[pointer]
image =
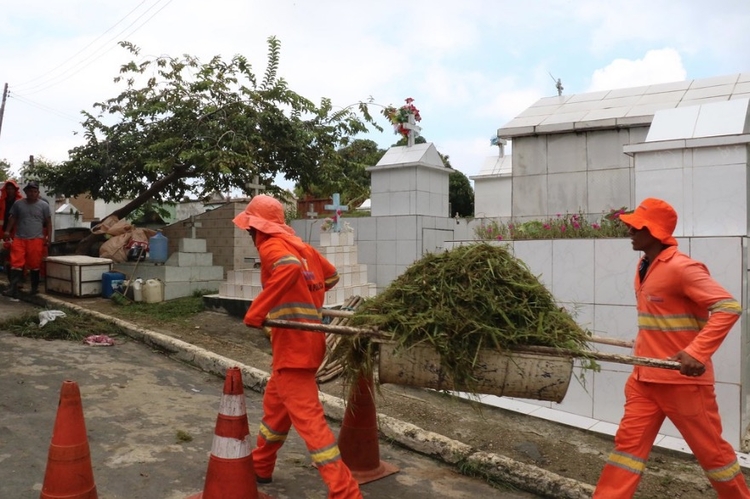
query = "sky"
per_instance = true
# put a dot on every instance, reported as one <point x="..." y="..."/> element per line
<point x="470" y="65"/>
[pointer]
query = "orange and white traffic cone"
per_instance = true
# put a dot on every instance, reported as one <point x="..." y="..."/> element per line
<point x="358" y="438"/>
<point x="69" y="474"/>
<point x="230" y="472"/>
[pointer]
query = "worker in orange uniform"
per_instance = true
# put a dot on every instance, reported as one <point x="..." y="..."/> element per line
<point x="295" y="278"/>
<point x="9" y="194"/>
<point x="683" y="315"/>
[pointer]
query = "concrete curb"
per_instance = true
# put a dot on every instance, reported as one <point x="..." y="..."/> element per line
<point x="521" y="475"/>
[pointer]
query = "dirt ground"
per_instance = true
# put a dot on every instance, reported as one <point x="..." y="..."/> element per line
<point x="567" y="451"/>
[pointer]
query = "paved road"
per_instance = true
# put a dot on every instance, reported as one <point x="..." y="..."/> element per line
<point x="135" y="401"/>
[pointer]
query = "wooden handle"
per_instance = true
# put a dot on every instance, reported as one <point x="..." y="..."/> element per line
<point x="379" y="335"/>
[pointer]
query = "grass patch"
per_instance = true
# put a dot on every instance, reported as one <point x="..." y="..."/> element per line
<point x="73" y="327"/>
<point x="183" y="436"/>
<point x="177" y="310"/>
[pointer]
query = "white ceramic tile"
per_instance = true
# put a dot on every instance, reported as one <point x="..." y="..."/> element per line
<point x="366" y="229"/>
<point x="558" y="118"/>
<point x="617" y="322"/>
<point x="422" y="203"/>
<point x="700" y="102"/>
<point x="406" y="228"/>
<point x="608" y="189"/>
<point x="723" y="258"/>
<point x="566" y="153"/>
<point x="609" y="395"/>
<point x="381" y="204"/>
<point x="669" y="87"/>
<point x="672" y="443"/>
<point x="588" y="96"/>
<point x="579" y="399"/>
<point x="572" y="270"/>
<point x="537" y="255"/>
<point x="614" y="268"/>
<point x="720" y="200"/>
<point x="402" y="203"/>
<point x="562" y="417"/>
<point x="723" y="118"/>
<point x="529" y="155"/>
<point x="386" y="229"/>
<point x="728" y="358"/>
<point x="386" y="253"/>
<point x="662" y="98"/>
<point x="406" y="252"/>
<point x="664" y="184"/>
<point x="660" y="160"/>
<point x="707" y="92"/>
<point x="670" y="124"/>
<point x="511" y="404"/>
<point x="730" y="405"/>
<point x="719" y="155"/>
<point x="726" y="81"/>
<point x="538" y="111"/>
<point x="604" y="428"/>
<point x="401" y="179"/>
<point x="530" y="196"/>
<point x="566" y="192"/>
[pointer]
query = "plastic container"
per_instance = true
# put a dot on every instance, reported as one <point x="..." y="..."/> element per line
<point x="153" y="291"/>
<point x="111" y="282"/>
<point x="138" y="290"/>
<point x="157" y="248"/>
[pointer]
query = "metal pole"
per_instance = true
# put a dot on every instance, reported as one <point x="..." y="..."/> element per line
<point x="2" y="106"/>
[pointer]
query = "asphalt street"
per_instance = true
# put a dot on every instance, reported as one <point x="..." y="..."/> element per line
<point x="150" y="423"/>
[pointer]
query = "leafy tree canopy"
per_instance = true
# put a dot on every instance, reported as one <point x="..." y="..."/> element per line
<point x="184" y="126"/>
<point x="4" y="170"/>
<point x="350" y="178"/>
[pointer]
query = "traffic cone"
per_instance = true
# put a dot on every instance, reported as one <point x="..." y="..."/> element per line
<point x="230" y="472"/>
<point x="358" y="438"/>
<point x="69" y="474"/>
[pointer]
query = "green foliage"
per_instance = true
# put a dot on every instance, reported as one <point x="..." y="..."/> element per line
<point x="348" y="175"/>
<point x="567" y="226"/>
<point x="461" y="301"/>
<point x="460" y="194"/>
<point x="182" y="126"/>
<point x="4" y="170"/>
<point x="73" y="327"/>
<point x="176" y="310"/>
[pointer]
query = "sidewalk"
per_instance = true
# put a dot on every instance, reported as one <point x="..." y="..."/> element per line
<point x="136" y="400"/>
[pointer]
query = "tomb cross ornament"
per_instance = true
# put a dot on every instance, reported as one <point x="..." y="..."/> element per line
<point x="254" y="187"/>
<point x="311" y="213"/>
<point x="413" y="129"/>
<point x="337" y="208"/>
<point x="193" y="224"/>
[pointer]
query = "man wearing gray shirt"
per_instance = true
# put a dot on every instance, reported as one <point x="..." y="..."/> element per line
<point x="32" y="221"/>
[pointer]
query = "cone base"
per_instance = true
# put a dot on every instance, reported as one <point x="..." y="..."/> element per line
<point x="383" y="470"/>
<point x="199" y="495"/>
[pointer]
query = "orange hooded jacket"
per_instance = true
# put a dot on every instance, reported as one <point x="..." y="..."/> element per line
<point x="4" y="205"/>
<point x="681" y="307"/>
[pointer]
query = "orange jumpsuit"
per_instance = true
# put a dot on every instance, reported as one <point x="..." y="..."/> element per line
<point x="295" y="278"/>
<point x="680" y="307"/>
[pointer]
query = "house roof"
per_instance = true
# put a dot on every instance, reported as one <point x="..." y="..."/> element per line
<point x="494" y="166"/>
<point x="626" y="107"/>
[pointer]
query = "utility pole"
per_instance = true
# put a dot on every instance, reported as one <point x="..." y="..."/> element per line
<point x="2" y="106"/>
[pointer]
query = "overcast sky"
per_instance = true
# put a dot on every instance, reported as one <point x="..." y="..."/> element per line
<point x="470" y="65"/>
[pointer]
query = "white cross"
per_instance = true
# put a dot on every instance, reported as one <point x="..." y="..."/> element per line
<point x="337" y="208"/>
<point x="255" y="186"/>
<point x="414" y="130"/>
<point x="192" y="224"/>
<point x="310" y="212"/>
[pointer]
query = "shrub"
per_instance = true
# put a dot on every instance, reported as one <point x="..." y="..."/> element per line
<point x="568" y="226"/>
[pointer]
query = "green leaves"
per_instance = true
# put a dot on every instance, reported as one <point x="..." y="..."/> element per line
<point x="179" y="125"/>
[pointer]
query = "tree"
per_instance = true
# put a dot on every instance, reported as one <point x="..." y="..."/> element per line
<point x="4" y="170"/>
<point x="351" y="178"/>
<point x="460" y="194"/>
<point x="200" y="128"/>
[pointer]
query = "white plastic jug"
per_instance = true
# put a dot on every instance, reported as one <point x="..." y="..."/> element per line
<point x="138" y="289"/>
<point x="153" y="291"/>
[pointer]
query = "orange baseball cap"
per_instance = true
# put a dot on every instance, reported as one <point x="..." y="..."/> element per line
<point x="657" y="216"/>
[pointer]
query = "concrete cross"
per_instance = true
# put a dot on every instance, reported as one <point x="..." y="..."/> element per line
<point x="337" y="208"/>
<point x="255" y="186"/>
<point x="192" y="224"/>
<point x="310" y="212"/>
<point x="414" y="130"/>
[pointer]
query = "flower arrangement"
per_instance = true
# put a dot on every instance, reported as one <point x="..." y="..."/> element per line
<point x="329" y="224"/>
<point x="398" y="117"/>
<point x="567" y="226"/>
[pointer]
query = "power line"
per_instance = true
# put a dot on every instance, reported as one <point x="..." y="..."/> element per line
<point x="43" y="107"/>
<point x="41" y="76"/>
<point x="61" y="78"/>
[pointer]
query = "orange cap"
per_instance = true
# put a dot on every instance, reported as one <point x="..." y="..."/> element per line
<point x="264" y="214"/>
<point x="657" y="216"/>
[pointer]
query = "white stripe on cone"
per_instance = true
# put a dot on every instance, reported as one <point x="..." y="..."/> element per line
<point x="233" y="405"/>
<point x="230" y="448"/>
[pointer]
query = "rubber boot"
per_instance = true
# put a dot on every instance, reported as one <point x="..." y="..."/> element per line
<point x="34" y="282"/>
<point x="15" y="277"/>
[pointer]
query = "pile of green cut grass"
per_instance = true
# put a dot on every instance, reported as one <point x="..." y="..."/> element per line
<point x="459" y="302"/>
<point x="73" y="327"/>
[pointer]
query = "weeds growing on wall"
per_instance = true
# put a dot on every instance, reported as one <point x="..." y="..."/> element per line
<point x="568" y="226"/>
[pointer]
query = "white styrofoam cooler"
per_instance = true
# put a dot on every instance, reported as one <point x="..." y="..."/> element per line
<point x="76" y="275"/>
